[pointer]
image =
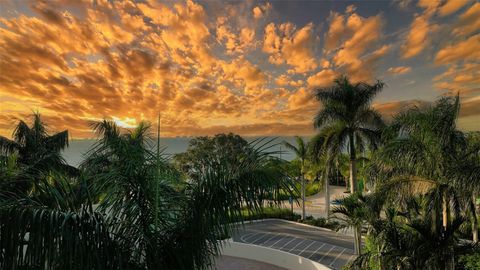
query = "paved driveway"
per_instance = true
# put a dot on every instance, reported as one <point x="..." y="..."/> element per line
<point x="326" y="247"/>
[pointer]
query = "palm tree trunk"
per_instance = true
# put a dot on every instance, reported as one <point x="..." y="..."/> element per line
<point x="353" y="168"/>
<point x="474" y="220"/>
<point x="303" y="197"/>
<point x="357" y="235"/>
<point x="445" y="211"/>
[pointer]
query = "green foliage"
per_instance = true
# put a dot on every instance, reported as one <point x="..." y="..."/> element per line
<point x="469" y="261"/>
<point x="270" y="212"/>
<point x="230" y="147"/>
<point x="32" y="154"/>
<point x="143" y="220"/>
<point x="346" y="121"/>
<point x="426" y="174"/>
<point x="321" y="222"/>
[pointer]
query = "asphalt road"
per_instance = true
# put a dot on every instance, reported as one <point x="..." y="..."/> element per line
<point x="326" y="247"/>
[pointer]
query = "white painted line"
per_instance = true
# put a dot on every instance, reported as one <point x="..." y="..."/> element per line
<point x="271" y="238"/>
<point x="350" y="259"/>
<point x="242" y="238"/>
<point x="265" y="234"/>
<point x="306" y="248"/>
<point x="326" y="254"/>
<point x="245" y="239"/>
<point x="288" y="242"/>
<point x="281" y="238"/>
<point x="340" y="254"/>
<point x="296" y="245"/>
<point x="315" y="252"/>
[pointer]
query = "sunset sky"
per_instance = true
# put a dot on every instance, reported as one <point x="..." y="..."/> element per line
<point x="242" y="66"/>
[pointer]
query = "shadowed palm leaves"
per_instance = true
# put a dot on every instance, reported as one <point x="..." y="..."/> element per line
<point x="347" y="121"/>
<point x="36" y="152"/>
<point x="54" y="227"/>
<point x="301" y="152"/>
<point x="406" y="241"/>
<point x="352" y="212"/>
<point x="143" y="220"/>
<point x="427" y="154"/>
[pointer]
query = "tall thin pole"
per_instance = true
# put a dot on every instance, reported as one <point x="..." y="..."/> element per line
<point x="158" y="172"/>
<point x="158" y="137"/>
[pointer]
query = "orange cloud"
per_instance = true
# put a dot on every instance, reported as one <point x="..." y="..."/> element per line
<point x="261" y="11"/>
<point x="234" y="43"/>
<point x="206" y="69"/>
<point x="417" y="38"/>
<point x="285" y="80"/>
<point x="335" y="31"/>
<point x="355" y="56"/>
<point x="286" y="44"/>
<point x="323" y="78"/>
<point x="467" y="50"/>
<point x="468" y="22"/>
<point x="399" y="70"/>
<point x="451" y="6"/>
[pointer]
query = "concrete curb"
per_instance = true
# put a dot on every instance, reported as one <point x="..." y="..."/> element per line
<point x="284" y="220"/>
<point x="269" y="255"/>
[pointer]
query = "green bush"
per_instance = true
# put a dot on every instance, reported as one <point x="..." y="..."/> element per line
<point x="320" y="222"/>
<point x="270" y="212"/>
<point x="469" y="261"/>
<point x="311" y="188"/>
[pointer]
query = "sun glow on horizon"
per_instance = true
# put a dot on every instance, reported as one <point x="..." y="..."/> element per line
<point x="126" y="122"/>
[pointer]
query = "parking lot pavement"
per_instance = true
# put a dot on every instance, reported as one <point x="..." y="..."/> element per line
<point x="326" y="247"/>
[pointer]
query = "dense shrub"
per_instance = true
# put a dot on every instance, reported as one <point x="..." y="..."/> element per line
<point x="469" y="261"/>
<point x="320" y="222"/>
<point x="270" y="212"/>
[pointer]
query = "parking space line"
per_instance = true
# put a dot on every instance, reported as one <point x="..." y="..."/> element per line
<point x="242" y="238"/>
<point x="288" y="242"/>
<point x="245" y="239"/>
<point x="297" y="245"/>
<point x="326" y="254"/>
<point x="277" y="241"/>
<point x="306" y="248"/>
<point x="275" y="235"/>
<point x="340" y="254"/>
<point x="315" y="252"/>
<point x="265" y="234"/>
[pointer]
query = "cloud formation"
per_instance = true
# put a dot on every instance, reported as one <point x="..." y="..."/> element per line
<point x="209" y="67"/>
<point x="399" y="70"/>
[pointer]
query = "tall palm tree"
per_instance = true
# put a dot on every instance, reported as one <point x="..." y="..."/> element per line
<point x="347" y="120"/>
<point x="427" y="154"/>
<point x="301" y="152"/>
<point x="36" y="152"/>
<point x="144" y="219"/>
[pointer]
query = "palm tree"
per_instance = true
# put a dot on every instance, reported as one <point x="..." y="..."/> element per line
<point x="301" y="152"/>
<point x="405" y="240"/>
<point x="352" y="212"/>
<point x="347" y="120"/>
<point x="36" y="152"/>
<point x="146" y="216"/>
<point x="427" y="153"/>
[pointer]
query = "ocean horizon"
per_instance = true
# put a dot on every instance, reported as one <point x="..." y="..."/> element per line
<point x="78" y="148"/>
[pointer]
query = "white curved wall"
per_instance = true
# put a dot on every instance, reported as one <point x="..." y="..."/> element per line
<point x="270" y="256"/>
